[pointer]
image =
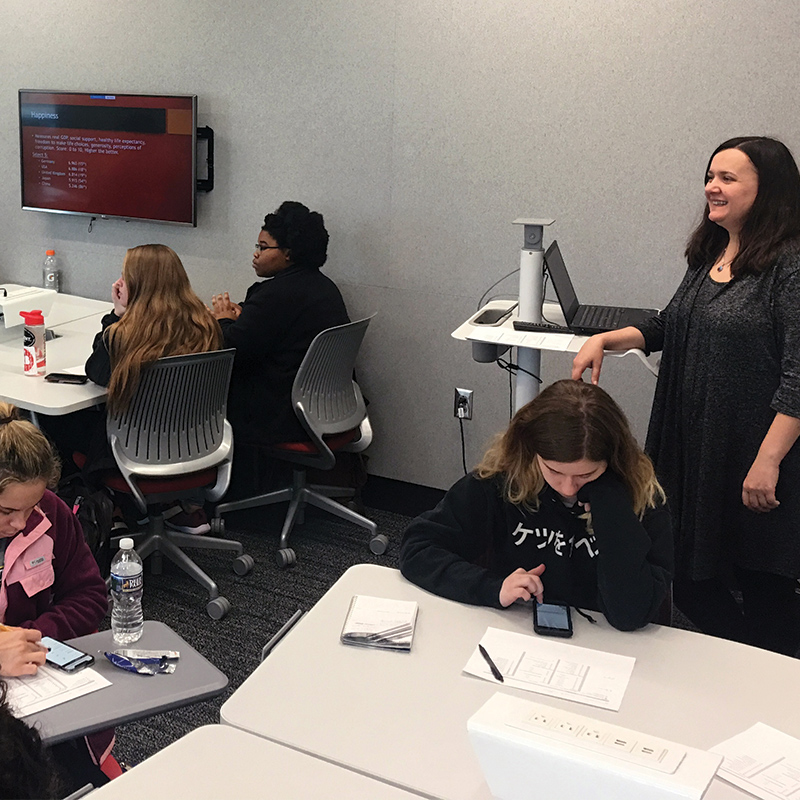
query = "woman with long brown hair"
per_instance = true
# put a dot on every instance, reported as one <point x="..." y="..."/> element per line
<point x="156" y="314"/>
<point x="564" y="506"/>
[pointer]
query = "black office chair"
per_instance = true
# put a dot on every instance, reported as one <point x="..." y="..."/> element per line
<point x="171" y="441"/>
<point x="330" y="407"/>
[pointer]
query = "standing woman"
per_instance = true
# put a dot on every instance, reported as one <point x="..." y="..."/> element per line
<point x="564" y="506"/>
<point x="726" y="412"/>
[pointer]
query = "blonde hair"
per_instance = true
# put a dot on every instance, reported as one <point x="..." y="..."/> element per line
<point x="25" y="452"/>
<point x="164" y="317"/>
<point x="569" y="421"/>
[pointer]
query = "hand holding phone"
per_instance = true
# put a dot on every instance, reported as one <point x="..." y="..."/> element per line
<point x="21" y="652"/>
<point x="552" y="619"/>
<point x="64" y="656"/>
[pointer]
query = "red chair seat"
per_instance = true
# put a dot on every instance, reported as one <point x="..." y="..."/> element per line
<point x="114" y="480"/>
<point x="335" y="442"/>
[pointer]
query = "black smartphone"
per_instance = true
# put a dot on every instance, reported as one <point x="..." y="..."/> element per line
<point x="552" y="619"/>
<point x="492" y="316"/>
<point x="64" y="656"/>
<point x="65" y="377"/>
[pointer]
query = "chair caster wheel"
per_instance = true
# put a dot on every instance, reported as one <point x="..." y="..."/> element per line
<point x="378" y="544"/>
<point x="218" y="608"/>
<point x="217" y="526"/>
<point x="285" y="557"/>
<point x="243" y="564"/>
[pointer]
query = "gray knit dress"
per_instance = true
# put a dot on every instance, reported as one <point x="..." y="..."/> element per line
<point x="731" y="359"/>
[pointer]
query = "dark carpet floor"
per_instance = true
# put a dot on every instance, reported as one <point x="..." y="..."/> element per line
<point x="262" y="601"/>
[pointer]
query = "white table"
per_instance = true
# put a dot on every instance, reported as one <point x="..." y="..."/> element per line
<point x="74" y="321"/>
<point x="216" y="761"/>
<point x="401" y="717"/>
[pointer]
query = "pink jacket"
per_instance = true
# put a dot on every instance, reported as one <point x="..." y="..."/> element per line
<point x="50" y="579"/>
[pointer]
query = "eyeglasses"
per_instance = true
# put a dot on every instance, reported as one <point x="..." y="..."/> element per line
<point x="263" y="247"/>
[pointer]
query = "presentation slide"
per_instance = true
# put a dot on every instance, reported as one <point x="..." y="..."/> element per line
<point x="126" y="156"/>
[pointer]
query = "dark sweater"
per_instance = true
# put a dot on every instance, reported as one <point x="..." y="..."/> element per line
<point x="731" y="360"/>
<point x="280" y="318"/>
<point x="474" y="539"/>
<point x="98" y="365"/>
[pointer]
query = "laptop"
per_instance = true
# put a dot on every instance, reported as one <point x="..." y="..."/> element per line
<point x="587" y="319"/>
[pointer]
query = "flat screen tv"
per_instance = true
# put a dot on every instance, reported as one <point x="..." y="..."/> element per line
<point x="129" y="156"/>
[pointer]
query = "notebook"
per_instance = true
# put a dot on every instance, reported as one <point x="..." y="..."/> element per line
<point x="587" y="319"/>
<point x="380" y="622"/>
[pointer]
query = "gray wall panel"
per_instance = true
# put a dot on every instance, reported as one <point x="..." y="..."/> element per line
<point x="421" y="130"/>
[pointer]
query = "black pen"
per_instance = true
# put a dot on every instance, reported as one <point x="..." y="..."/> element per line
<point x="492" y="666"/>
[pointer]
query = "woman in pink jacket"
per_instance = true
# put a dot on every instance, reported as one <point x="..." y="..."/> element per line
<point x="49" y="581"/>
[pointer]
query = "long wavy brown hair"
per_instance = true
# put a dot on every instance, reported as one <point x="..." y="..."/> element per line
<point x="569" y="421"/>
<point x="164" y="317"/>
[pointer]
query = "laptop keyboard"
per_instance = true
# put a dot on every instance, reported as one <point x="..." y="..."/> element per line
<point x="539" y="327"/>
<point x="600" y="316"/>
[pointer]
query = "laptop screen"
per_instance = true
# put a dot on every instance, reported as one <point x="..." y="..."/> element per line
<point x="561" y="282"/>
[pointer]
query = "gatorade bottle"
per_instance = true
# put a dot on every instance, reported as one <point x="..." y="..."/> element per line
<point x="51" y="274"/>
<point x="33" y="348"/>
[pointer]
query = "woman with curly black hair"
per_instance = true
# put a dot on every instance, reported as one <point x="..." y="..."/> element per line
<point x="280" y="316"/>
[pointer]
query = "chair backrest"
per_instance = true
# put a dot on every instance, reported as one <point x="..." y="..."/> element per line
<point x="177" y="414"/>
<point x="325" y="397"/>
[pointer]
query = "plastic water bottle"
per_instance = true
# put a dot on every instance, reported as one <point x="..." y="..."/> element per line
<point x="51" y="274"/>
<point x="127" y="619"/>
<point x="34" y="354"/>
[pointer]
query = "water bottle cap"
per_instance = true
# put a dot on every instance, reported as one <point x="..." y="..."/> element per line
<point x="50" y="252"/>
<point x="32" y="317"/>
<point x="126" y="543"/>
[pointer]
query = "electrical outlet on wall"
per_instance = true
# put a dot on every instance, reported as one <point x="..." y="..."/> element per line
<point x="462" y="404"/>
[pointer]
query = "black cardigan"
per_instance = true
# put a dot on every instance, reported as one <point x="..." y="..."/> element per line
<point x="731" y="359"/>
<point x="280" y="318"/>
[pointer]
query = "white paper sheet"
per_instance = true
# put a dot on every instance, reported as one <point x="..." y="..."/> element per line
<point x="538" y="664"/>
<point x="49" y="687"/>
<point x="763" y="761"/>
<point x="513" y="338"/>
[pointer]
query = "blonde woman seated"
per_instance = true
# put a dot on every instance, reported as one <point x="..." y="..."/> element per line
<point x="564" y="507"/>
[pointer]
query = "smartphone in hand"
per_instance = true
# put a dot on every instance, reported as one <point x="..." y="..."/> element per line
<point x="64" y="656"/>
